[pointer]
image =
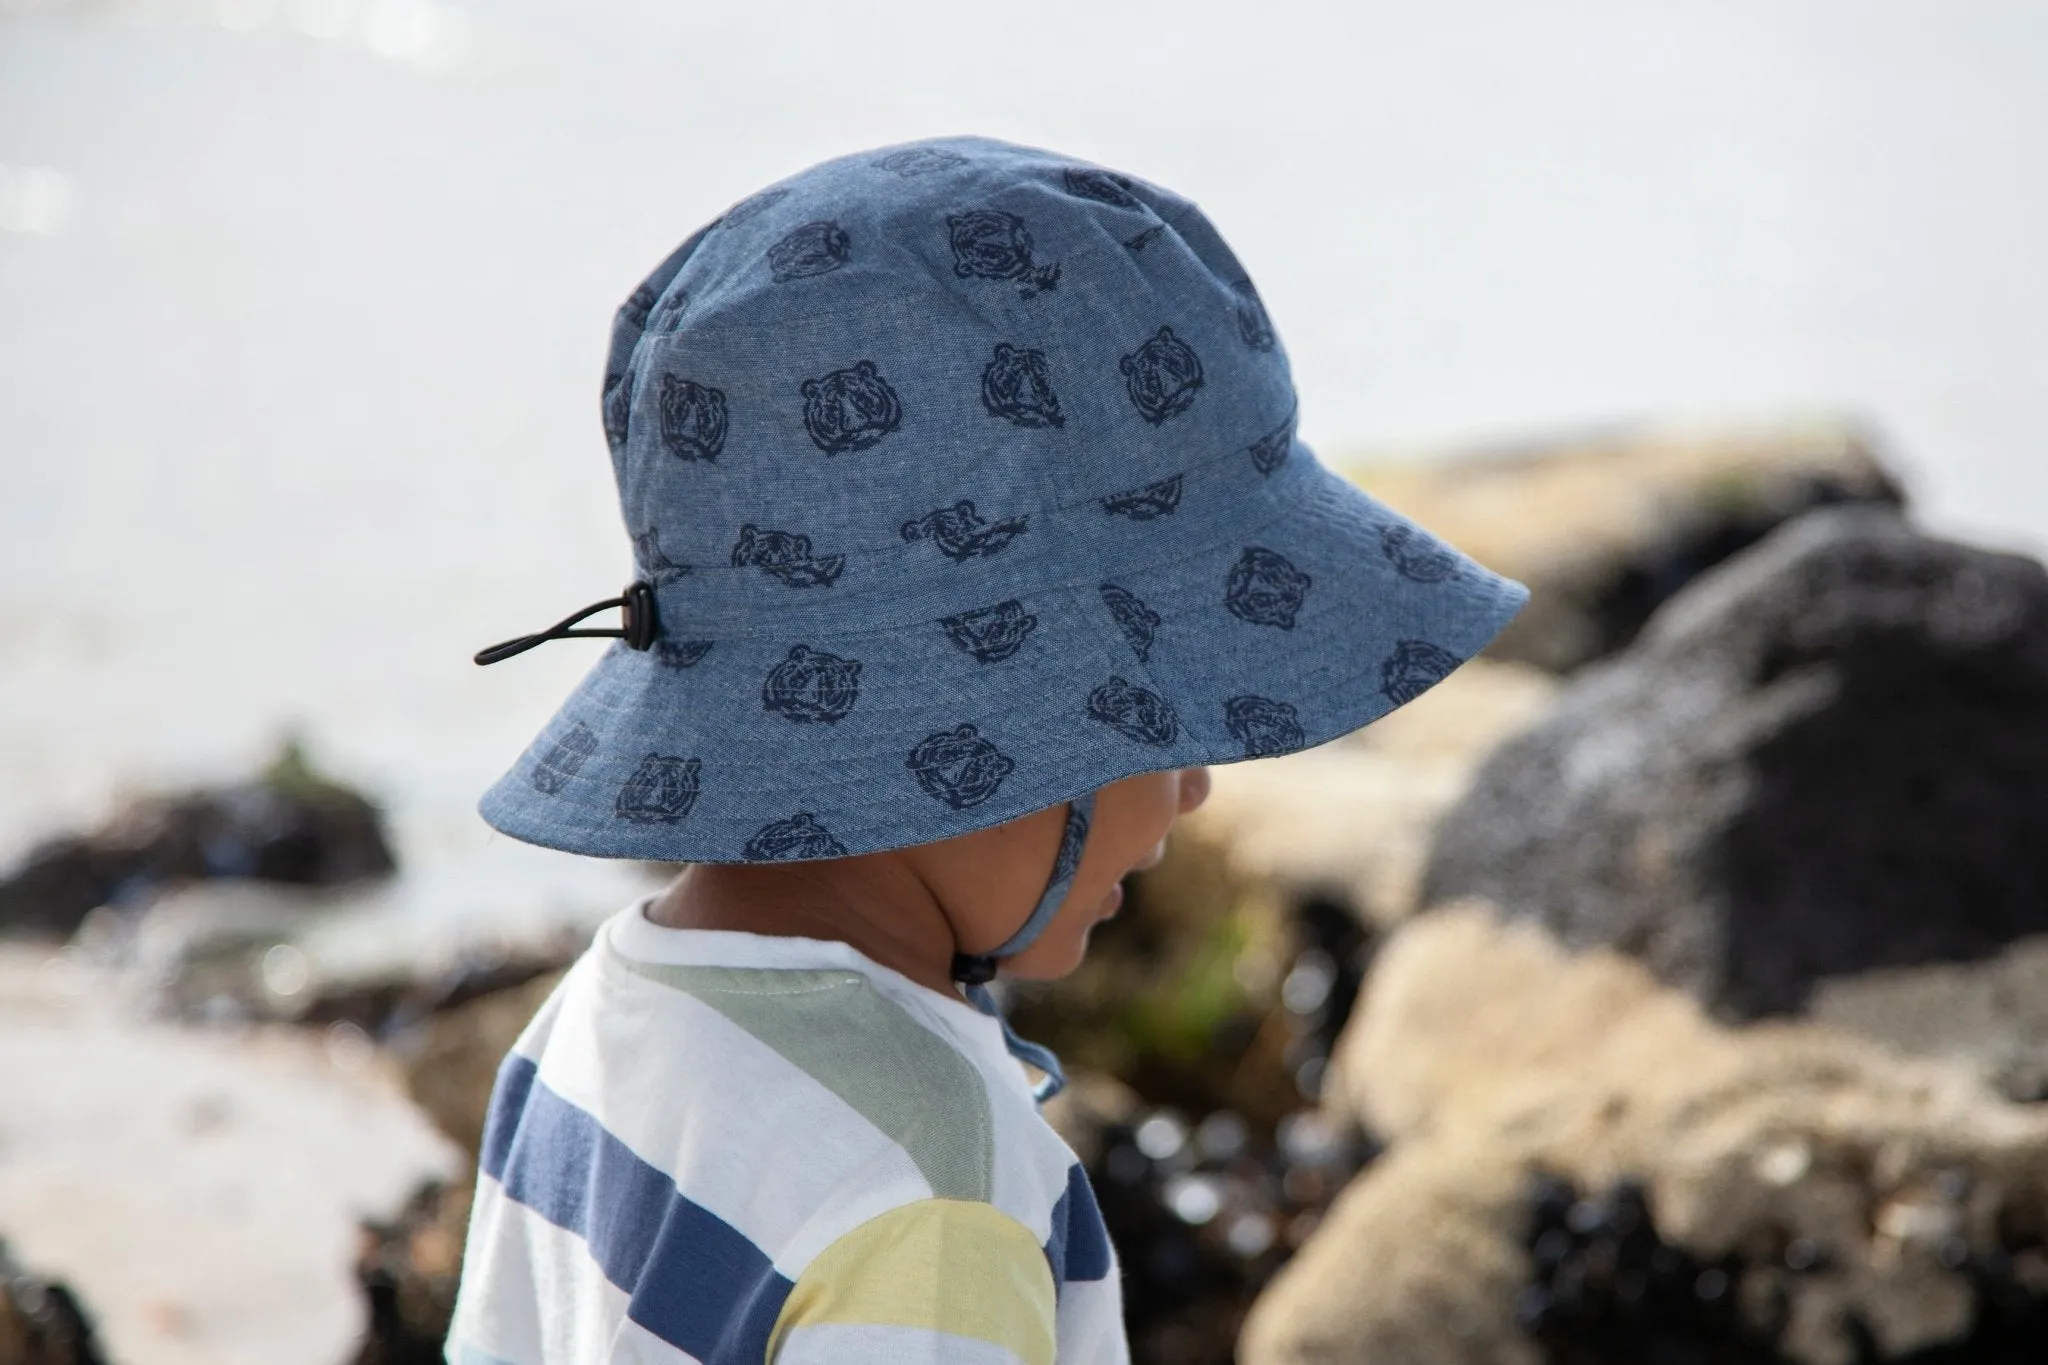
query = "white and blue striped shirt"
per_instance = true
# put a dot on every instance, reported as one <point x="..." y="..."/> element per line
<point x="732" y="1148"/>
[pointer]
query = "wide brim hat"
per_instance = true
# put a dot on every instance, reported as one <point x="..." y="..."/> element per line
<point x="965" y="480"/>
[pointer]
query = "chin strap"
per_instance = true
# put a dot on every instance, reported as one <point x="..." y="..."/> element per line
<point x="975" y="970"/>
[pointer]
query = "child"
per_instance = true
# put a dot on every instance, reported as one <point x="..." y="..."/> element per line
<point x="969" y="523"/>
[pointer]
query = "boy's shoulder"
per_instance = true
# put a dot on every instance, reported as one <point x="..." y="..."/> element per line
<point x="842" y="1033"/>
<point x="778" y="1047"/>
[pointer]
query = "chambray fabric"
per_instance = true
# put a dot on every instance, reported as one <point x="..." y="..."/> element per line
<point x="966" y="478"/>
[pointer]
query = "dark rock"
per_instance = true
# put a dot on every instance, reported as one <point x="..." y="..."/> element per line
<point x="1606" y="1289"/>
<point x="393" y="1008"/>
<point x="409" y="1269"/>
<point x="1827" y="756"/>
<point x="1606" y="527"/>
<point x="451" y="1057"/>
<point x="41" y="1321"/>
<point x="1203" y="1213"/>
<point x="288" y="825"/>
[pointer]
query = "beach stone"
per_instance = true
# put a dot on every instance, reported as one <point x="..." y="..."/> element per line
<point x="410" y="1268"/>
<point x="1990" y="1015"/>
<point x="1416" y="1263"/>
<point x="1827" y="756"/>
<point x="42" y="1321"/>
<point x="450" y="1058"/>
<point x="1605" y="527"/>
<point x="1870" y="1201"/>
<point x="289" y="824"/>
<point x="1352" y="820"/>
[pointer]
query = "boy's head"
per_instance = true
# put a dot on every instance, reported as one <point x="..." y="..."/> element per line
<point x="962" y="483"/>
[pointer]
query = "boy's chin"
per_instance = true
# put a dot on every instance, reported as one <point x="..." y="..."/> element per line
<point x="1053" y="968"/>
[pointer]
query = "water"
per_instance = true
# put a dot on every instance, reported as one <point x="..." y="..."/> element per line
<point x="303" y="305"/>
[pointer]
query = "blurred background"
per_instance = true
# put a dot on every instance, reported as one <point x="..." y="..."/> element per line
<point x="302" y="312"/>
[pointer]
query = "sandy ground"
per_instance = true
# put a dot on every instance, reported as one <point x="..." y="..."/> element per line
<point x="200" y="1189"/>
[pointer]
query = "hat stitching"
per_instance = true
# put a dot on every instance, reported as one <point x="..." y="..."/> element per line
<point x="1149" y="501"/>
<point x="1288" y="500"/>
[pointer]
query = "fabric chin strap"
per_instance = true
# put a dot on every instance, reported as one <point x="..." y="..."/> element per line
<point x="975" y="970"/>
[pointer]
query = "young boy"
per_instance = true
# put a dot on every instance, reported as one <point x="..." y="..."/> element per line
<point x="969" y="524"/>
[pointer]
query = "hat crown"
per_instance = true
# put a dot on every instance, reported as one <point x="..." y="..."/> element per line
<point x="912" y="373"/>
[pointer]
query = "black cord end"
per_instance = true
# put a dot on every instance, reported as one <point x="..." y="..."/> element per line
<point x="636" y="605"/>
<point x="973" y="969"/>
<point x="504" y="650"/>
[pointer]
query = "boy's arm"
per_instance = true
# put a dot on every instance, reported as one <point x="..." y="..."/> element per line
<point x="937" y="1282"/>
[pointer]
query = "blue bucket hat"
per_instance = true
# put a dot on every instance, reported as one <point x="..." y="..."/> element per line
<point x="962" y="481"/>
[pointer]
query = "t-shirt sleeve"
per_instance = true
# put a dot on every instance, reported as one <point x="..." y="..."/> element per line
<point x="937" y="1282"/>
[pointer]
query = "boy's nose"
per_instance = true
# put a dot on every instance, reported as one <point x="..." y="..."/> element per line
<point x="1194" y="788"/>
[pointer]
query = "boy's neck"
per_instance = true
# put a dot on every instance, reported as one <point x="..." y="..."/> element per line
<point x="875" y="904"/>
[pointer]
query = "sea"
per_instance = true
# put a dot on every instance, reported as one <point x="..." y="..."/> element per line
<point x="303" y="304"/>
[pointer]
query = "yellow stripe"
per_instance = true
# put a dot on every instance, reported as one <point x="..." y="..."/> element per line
<point x="946" y="1265"/>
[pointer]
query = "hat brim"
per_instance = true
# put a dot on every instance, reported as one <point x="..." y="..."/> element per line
<point x="1317" y="617"/>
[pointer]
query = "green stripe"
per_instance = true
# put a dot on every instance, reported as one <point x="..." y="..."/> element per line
<point x="866" y="1049"/>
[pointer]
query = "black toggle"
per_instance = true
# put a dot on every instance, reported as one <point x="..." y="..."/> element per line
<point x="637" y="607"/>
<point x="974" y="969"/>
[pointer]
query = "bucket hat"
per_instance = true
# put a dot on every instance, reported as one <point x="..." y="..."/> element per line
<point x="962" y="480"/>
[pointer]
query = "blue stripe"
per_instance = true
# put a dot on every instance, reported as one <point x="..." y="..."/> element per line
<point x="1079" y="1249"/>
<point x="691" y="1278"/>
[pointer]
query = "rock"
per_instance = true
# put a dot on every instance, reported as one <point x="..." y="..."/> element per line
<point x="41" y="1321"/>
<point x="1203" y="1211"/>
<point x="1416" y="1263"/>
<point x="247" y="951"/>
<point x="1991" y="1015"/>
<point x="451" y="1057"/>
<point x="288" y="825"/>
<point x="1605" y="528"/>
<point x="1604" y="1285"/>
<point x="409" y="1270"/>
<point x="1827" y="756"/>
<point x="1874" y="1205"/>
<point x="1352" y="820"/>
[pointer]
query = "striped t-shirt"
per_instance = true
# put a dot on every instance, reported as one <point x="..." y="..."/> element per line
<point x="732" y="1148"/>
